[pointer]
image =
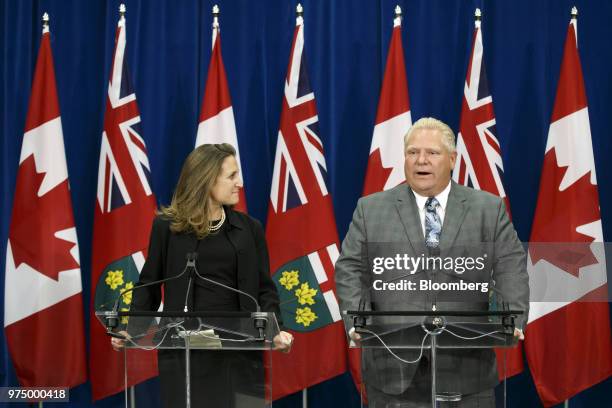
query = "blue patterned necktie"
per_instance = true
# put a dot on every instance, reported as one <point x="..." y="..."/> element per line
<point x="433" y="224"/>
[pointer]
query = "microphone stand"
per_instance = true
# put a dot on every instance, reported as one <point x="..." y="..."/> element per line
<point x="437" y="321"/>
<point x="260" y="319"/>
<point x="112" y="317"/>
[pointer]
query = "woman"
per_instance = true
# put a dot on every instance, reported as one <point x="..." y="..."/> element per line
<point x="231" y="249"/>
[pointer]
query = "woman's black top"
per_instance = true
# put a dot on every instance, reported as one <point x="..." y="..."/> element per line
<point x="216" y="261"/>
<point x="237" y="255"/>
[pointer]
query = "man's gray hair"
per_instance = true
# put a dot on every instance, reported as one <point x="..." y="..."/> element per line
<point x="448" y="136"/>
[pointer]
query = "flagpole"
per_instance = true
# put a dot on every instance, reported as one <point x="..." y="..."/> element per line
<point x="574" y="21"/>
<point x="125" y="377"/>
<point x="45" y="29"/>
<point x="477" y="25"/>
<point x="129" y="398"/>
<point x="299" y="19"/>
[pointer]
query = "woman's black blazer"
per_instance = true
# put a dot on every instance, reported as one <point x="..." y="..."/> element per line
<point x="167" y="257"/>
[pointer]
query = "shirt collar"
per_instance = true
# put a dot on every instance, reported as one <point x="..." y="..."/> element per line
<point x="442" y="198"/>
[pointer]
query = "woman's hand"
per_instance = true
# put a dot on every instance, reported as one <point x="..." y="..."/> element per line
<point x="117" y="343"/>
<point x="283" y="341"/>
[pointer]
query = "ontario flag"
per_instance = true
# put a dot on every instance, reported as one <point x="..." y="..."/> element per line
<point x="43" y="305"/>
<point x="479" y="162"/>
<point x="303" y="241"/>
<point x="123" y="214"/>
<point x="217" y="116"/>
<point x="567" y="341"/>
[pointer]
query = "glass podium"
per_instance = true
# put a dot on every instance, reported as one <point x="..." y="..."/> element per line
<point x="452" y="342"/>
<point x="202" y="356"/>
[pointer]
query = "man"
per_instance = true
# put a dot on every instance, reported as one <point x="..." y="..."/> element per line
<point x="430" y="214"/>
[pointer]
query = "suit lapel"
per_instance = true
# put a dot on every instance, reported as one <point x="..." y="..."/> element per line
<point x="453" y="218"/>
<point x="406" y="207"/>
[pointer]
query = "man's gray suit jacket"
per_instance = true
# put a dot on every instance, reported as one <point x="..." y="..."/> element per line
<point x="471" y="217"/>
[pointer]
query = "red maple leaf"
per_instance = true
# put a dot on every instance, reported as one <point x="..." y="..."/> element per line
<point x="35" y="221"/>
<point x="377" y="175"/>
<point x="559" y="214"/>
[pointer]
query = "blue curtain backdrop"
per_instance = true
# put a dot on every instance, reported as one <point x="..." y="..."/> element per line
<point x="346" y="45"/>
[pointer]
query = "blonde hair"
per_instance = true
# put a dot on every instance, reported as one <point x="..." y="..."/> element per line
<point x="188" y="210"/>
<point x="448" y="136"/>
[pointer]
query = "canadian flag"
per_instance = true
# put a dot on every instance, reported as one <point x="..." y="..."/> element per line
<point x="479" y="161"/>
<point x="567" y="341"/>
<point x="43" y="309"/>
<point x="216" y="115"/>
<point x="386" y="163"/>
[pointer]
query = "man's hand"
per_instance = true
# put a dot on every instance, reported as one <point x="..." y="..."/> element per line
<point x="519" y="333"/>
<point x="119" y="344"/>
<point x="283" y="341"/>
<point x="354" y="336"/>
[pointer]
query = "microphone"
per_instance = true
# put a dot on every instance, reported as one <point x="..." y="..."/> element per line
<point x="260" y="318"/>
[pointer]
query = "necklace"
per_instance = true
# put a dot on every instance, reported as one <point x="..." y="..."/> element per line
<point x="215" y="227"/>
